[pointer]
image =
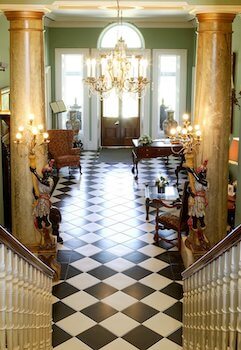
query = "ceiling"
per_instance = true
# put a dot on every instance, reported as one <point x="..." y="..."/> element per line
<point x="155" y="13"/>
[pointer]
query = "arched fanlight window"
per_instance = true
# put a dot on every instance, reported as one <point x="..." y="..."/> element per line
<point x="129" y="33"/>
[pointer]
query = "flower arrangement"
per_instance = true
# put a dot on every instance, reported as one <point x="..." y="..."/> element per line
<point x="162" y="181"/>
<point x="145" y="140"/>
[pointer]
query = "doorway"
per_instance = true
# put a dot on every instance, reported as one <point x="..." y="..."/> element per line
<point x="120" y="119"/>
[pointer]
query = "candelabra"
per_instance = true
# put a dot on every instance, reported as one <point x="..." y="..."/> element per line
<point x="189" y="136"/>
<point x="31" y="136"/>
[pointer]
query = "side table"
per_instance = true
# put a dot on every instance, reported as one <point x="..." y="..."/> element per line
<point x="157" y="200"/>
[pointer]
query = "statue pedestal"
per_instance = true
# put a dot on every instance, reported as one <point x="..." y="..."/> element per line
<point x="48" y="256"/>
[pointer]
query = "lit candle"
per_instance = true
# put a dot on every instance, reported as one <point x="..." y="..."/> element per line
<point x="88" y="63"/>
<point x="173" y="131"/>
<point x="35" y="131"/>
<point x="185" y="117"/>
<point x="198" y="133"/>
<point x="93" y="67"/>
<point x="40" y="127"/>
<point x="178" y="128"/>
<point x="19" y="136"/>
<point x="31" y="117"/>
<point x="184" y="131"/>
<point x="133" y="64"/>
<point x="102" y="64"/>
<point x="145" y="64"/>
<point x="45" y="135"/>
<point x="21" y="128"/>
<point x="189" y="128"/>
<point x="196" y="127"/>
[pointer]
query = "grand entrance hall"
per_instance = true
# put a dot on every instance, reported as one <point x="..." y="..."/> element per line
<point x="118" y="289"/>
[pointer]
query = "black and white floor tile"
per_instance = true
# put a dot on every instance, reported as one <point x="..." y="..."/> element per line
<point x="118" y="289"/>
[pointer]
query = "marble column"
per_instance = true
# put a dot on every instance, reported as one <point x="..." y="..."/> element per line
<point x="212" y="112"/>
<point x="27" y="97"/>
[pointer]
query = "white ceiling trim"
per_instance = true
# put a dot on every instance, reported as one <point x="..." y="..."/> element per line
<point x="92" y="23"/>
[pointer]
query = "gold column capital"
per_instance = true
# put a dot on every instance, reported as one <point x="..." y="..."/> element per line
<point x="216" y="17"/>
<point x="21" y="15"/>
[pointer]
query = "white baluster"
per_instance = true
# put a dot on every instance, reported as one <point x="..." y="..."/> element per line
<point x="208" y="304"/>
<point x="195" y="301"/>
<point x="11" y="337"/>
<point x="49" y="314"/>
<point x="191" y="319"/>
<point x="233" y="298"/>
<point x="38" y="301"/>
<point x="203" y="308"/>
<point x="21" y="302"/>
<point x="30" y="306"/>
<point x="26" y="306"/>
<point x="185" y="314"/>
<point x="239" y="300"/>
<point x="2" y="298"/>
<point x="41" y="311"/>
<point x="213" y="316"/>
<point x="226" y="301"/>
<point x="188" y="318"/>
<point x="199" y="310"/>
<point x="35" y="310"/>
<point x="15" y="296"/>
<point x="220" y="263"/>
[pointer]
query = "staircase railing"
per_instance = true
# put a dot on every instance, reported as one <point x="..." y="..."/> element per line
<point x="212" y="298"/>
<point x="25" y="297"/>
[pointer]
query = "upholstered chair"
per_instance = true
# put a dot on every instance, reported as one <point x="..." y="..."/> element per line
<point x="61" y="149"/>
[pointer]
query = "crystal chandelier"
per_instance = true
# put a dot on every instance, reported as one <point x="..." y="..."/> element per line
<point x="115" y="70"/>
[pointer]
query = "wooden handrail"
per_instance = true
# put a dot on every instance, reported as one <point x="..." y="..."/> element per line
<point x="12" y="243"/>
<point x="221" y="247"/>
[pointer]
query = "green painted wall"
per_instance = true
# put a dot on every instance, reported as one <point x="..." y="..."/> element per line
<point x="235" y="170"/>
<point x="155" y="38"/>
<point x="46" y="46"/>
<point x="4" y="50"/>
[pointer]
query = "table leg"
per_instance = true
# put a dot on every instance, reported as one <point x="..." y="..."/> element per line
<point x="135" y="165"/>
<point x="147" y="208"/>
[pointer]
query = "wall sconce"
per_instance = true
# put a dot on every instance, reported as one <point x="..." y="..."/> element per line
<point x="3" y="66"/>
<point x="32" y="136"/>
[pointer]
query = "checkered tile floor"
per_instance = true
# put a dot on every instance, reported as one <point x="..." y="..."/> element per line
<point x="118" y="289"/>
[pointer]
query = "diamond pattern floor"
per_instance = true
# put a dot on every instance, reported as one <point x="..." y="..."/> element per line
<point x="118" y="289"/>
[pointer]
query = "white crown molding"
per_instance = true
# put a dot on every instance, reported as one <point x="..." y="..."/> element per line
<point x="91" y="23"/>
<point x="21" y="7"/>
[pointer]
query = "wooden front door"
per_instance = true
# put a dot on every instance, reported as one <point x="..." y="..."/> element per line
<point x="120" y="120"/>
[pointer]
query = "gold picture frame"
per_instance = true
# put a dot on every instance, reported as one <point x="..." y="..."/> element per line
<point x="5" y="100"/>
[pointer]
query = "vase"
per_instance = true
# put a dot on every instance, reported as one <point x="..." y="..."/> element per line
<point x="161" y="189"/>
<point x="169" y="123"/>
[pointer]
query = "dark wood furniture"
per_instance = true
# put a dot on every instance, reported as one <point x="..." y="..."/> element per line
<point x="158" y="148"/>
<point x="231" y="210"/>
<point x="170" y="221"/>
<point x="155" y="199"/>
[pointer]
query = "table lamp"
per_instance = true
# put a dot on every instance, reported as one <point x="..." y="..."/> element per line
<point x="233" y="151"/>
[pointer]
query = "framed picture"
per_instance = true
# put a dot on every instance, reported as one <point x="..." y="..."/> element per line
<point x="5" y="100"/>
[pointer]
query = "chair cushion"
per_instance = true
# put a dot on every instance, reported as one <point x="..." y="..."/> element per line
<point x="67" y="160"/>
<point x="169" y="220"/>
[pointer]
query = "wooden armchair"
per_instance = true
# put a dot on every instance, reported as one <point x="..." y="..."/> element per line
<point x="61" y="149"/>
<point x="170" y="221"/>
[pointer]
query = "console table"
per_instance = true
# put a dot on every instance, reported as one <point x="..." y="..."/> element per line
<point x="158" y="148"/>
